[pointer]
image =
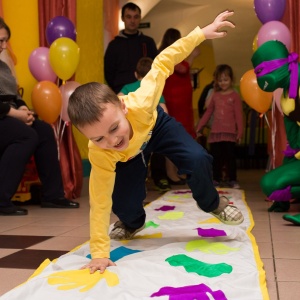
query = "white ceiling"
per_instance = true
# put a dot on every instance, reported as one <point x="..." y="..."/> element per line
<point x="236" y="49"/>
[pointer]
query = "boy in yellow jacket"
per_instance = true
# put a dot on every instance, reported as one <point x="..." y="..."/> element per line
<point x="123" y="132"/>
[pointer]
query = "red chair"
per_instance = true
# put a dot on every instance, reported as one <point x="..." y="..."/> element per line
<point x="29" y="179"/>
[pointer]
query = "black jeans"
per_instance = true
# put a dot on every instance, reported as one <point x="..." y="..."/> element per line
<point x="18" y="143"/>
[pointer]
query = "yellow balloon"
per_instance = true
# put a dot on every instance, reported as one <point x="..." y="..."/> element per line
<point x="254" y="44"/>
<point x="64" y="57"/>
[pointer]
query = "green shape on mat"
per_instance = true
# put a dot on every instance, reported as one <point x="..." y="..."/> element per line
<point x="172" y="215"/>
<point x="192" y="265"/>
<point x="209" y="247"/>
<point x="151" y="224"/>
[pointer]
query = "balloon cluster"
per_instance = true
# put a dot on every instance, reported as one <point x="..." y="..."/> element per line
<point x="47" y="64"/>
<point x="269" y="12"/>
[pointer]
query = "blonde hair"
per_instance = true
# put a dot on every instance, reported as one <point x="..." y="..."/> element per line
<point x="86" y="103"/>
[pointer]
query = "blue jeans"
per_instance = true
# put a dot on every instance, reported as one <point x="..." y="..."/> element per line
<point x="170" y="139"/>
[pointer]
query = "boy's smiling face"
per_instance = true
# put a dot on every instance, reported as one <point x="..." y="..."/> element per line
<point x="113" y="131"/>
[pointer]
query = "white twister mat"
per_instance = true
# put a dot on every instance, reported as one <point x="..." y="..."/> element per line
<point x="182" y="254"/>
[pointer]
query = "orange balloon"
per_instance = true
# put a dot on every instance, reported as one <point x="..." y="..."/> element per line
<point x="46" y="101"/>
<point x="253" y="95"/>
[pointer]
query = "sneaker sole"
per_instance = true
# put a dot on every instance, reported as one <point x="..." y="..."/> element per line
<point x="53" y="205"/>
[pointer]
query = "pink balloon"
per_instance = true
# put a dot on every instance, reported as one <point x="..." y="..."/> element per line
<point x="66" y="90"/>
<point x="39" y="65"/>
<point x="274" y="30"/>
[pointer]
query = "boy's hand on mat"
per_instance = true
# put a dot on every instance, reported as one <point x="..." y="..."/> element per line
<point x="98" y="264"/>
<point x="214" y="30"/>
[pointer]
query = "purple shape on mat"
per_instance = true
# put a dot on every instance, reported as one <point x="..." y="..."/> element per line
<point x="182" y="192"/>
<point x="281" y="195"/>
<point x="211" y="232"/>
<point x="191" y="292"/>
<point x="165" y="208"/>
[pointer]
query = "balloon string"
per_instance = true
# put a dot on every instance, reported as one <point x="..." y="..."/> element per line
<point x="273" y="136"/>
<point x="267" y="121"/>
<point x="62" y="131"/>
<point x="57" y="139"/>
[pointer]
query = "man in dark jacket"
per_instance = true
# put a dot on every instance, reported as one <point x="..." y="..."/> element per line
<point x="123" y="53"/>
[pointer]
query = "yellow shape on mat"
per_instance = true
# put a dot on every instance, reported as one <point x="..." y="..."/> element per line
<point x="172" y="215"/>
<point x="73" y="279"/>
<point x="157" y="235"/>
<point x="210" y="220"/>
<point x="206" y="247"/>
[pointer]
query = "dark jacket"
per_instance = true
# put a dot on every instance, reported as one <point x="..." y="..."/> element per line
<point x="122" y="55"/>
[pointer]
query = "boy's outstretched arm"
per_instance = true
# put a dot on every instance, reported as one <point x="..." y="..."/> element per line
<point x="213" y="30"/>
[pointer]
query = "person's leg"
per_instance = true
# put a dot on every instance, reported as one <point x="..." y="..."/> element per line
<point x="230" y="164"/>
<point x="48" y="167"/>
<point x="17" y="144"/>
<point x="130" y="192"/>
<point x="282" y="184"/>
<point x="170" y="138"/>
<point x="216" y="151"/>
<point x="295" y="219"/>
<point x="158" y="172"/>
<point x="172" y="173"/>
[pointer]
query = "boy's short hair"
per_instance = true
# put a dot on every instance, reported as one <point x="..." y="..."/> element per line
<point x="86" y="103"/>
<point x="130" y="6"/>
<point x="143" y="66"/>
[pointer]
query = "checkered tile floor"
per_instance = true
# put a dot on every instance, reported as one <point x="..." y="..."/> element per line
<point x="25" y="258"/>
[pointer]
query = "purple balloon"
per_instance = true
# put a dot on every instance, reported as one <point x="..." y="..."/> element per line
<point x="269" y="10"/>
<point x="274" y="31"/>
<point x="39" y="65"/>
<point x="60" y="27"/>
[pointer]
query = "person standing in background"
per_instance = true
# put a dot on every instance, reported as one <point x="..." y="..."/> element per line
<point x="178" y="93"/>
<point x="124" y="52"/>
<point x="120" y="61"/>
<point x="227" y="125"/>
